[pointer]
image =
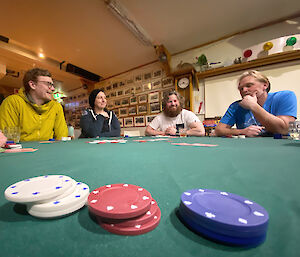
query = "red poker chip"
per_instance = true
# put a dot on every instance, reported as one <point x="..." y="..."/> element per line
<point x="137" y="229"/>
<point x="119" y="201"/>
<point x="140" y="220"/>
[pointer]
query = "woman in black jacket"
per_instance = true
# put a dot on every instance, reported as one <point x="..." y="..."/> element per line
<point x="98" y="121"/>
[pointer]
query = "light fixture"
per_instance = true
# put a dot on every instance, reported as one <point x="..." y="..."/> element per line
<point x="118" y="10"/>
<point x="41" y="55"/>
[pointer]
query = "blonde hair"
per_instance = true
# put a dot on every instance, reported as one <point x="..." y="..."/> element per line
<point x="256" y="74"/>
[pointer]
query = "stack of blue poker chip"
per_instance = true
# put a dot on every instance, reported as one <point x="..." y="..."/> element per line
<point x="224" y="217"/>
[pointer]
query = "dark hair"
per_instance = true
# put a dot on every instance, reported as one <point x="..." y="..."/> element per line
<point x="93" y="96"/>
<point x="166" y="99"/>
<point x="32" y="75"/>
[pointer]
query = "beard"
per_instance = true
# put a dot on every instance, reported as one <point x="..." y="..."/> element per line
<point x="170" y="112"/>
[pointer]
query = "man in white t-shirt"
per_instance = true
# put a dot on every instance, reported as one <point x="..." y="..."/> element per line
<point x="174" y="120"/>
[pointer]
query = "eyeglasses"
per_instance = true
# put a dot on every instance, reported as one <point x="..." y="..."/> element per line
<point x="48" y="83"/>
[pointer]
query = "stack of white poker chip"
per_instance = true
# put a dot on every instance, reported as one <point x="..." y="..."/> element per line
<point x="49" y="196"/>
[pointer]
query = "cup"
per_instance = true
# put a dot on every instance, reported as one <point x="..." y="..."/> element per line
<point x="182" y="133"/>
<point x="12" y="134"/>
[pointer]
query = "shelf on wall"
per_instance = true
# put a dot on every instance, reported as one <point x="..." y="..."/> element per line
<point x="268" y="60"/>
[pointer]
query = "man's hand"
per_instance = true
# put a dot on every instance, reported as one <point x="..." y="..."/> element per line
<point x="170" y="131"/>
<point x="249" y="101"/>
<point x="252" y="131"/>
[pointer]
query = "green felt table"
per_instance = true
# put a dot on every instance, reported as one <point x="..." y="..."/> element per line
<point x="263" y="170"/>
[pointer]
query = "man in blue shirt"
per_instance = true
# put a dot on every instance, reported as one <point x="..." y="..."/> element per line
<point x="259" y="112"/>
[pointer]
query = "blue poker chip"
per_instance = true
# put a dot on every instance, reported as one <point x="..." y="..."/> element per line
<point x="220" y="238"/>
<point x="226" y="231"/>
<point x="223" y="211"/>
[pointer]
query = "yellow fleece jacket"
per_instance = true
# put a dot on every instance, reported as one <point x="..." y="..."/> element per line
<point x="36" y="122"/>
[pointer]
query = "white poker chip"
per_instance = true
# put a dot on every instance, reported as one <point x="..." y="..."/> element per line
<point x="64" y="194"/>
<point x="63" y="206"/>
<point x="38" y="189"/>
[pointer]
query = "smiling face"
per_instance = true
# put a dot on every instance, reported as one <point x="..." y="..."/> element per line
<point x="100" y="101"/>
<point x="42" y="89"/>
<point x="251" y="86"/>
<point x="172" y="108"/>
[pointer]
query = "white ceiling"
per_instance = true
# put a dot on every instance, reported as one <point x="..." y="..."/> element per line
<point x="85" y="33"/>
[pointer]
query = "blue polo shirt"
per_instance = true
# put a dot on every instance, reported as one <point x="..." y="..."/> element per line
<point x="277" y="103"/>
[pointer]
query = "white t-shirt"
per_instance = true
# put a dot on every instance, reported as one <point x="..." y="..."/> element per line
<point x="161" y="122"/>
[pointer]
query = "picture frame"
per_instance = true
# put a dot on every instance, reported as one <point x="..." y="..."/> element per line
<point x="121" y="83"/>
<point x="123" y="112"/>
<point x="120" y="93"/>
<point x="115" y="85"/>
<point x="129" y="80"/>
<point x="132" y="110"/>
<point x="125" y="102"/>
<point x="133" y="100"/>
<point x="113" y="94"/>
<point x="149" y="118"/>
<point x="147" y="76"/>
<point x="142" y="99"/>
<point x="108" y="88"/>
<point x="147" y="86"/>
<point x="117" y="103"/>
<point x="155" y="107"/>
<point x="142" y="109"/>
<point x="121" y="120"/>
<point x="116" y="111"/>
<point x="139" y="121"/>
<point x="138" y="78"/>
<point x="153" y="97"/>
<point x="127" y="92"/>
<point x="138" y="88"/>
<point x="167" y="82"/>
<point x="128" y="122"/>
<point x="156" y="84"/>
<point x="157" y="73"/>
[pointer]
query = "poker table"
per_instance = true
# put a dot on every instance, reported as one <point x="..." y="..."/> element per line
<point x="264" y="170"/>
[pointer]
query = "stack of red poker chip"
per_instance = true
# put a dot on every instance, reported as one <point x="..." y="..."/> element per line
<point x="124" y="209"/>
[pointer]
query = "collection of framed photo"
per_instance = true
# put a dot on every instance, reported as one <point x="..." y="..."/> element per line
<point x="135" y="100"/>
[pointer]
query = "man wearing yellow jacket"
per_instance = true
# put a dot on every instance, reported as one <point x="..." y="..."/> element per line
<point x="34" y="110"/>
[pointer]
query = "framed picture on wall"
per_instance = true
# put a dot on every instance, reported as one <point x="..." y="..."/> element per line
<point x="156" y="84"/>
<point x="142" y="99"/>
<point x="132" y="110"/>
<point x="117" y="103"/>
<point x="120" y="93"/>
<point x="121" y="122"/>
<point x="138" y="88"/>
<point x="123" y="112"/>
<point x="139" y="121"/>
<point x="127" y="91"/>
<point x="115" y="85"/>
<point x="167" y="82"/>
<point x="157" y="73"/>
<point x="133" y="100"/>
<point x="113" y="94"/>
<point x="129" y="81"/>
<point x="142" y="109"/>
<point x="116" y="111"/>
<point x="147" y="86"/>
<point x="125" y="102"/>
<point x="153" y="97"/>
<point x="108" y="88"/>
<point x="149" y="118"/>
<point x="128" y="122"/>
<point x="147" y="76"/>
<point x="110" y="104"/>
<point x="122" y="83"/>
<point x="154" y="108"/>
<point x="138" y="78"/>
